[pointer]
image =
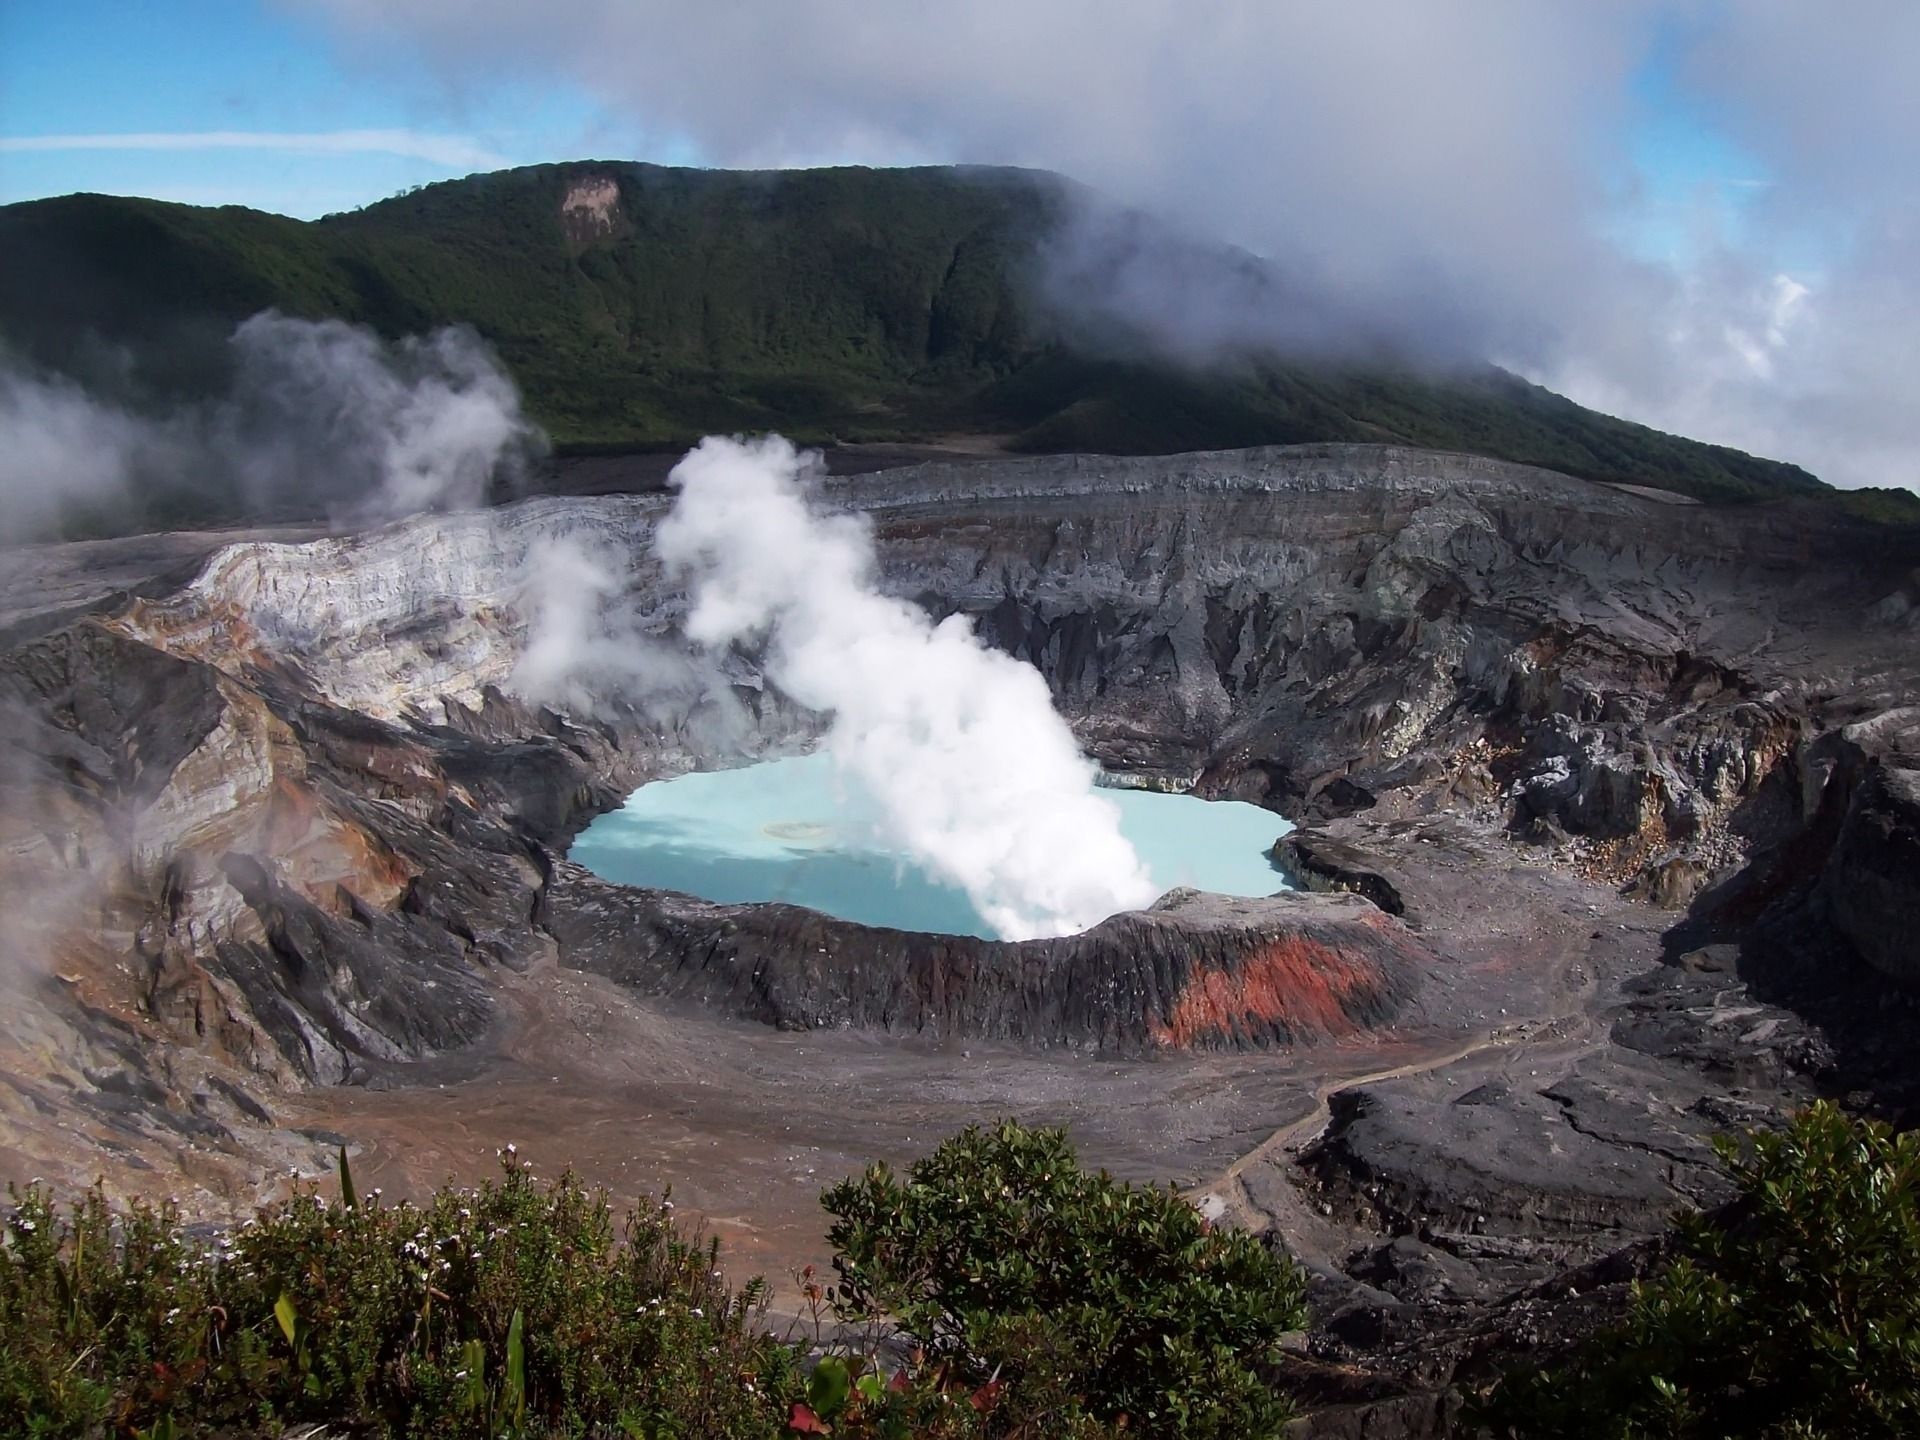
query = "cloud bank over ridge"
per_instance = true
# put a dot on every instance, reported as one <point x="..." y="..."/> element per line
<point x="1472" y="179"/>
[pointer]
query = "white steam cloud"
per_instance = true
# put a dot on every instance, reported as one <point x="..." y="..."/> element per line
<point x="321" y="418"/>
<point x="590" y="651"/>
<point x="65" y="454"/>
<point x="576" y="634"/>
<point x="422" y="424"/>
<point x="959" y="748"/>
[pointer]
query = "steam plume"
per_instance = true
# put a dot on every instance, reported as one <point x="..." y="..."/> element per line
<point x="422" y="424"/>
<point x="66" y="456"/>
<point x="322" y="419"/>
<point x="970" y="769"/>
<point x="588" y="650"/>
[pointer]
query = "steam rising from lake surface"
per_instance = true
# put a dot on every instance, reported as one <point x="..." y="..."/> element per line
<point x="952" y="750"/>
<point x="793" y="830"/>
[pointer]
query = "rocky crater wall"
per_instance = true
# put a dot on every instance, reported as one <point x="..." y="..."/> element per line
<point x="321" y="820"/>
<point x="1195" y="972"/>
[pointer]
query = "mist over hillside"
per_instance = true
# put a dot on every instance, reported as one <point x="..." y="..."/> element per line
<point x="639" y="307"/>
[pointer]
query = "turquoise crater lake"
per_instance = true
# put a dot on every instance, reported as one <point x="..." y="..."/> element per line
<point x="788" y="830"/>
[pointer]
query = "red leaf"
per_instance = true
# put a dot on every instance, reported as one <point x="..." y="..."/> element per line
<point x="899" y="1381"/>
<point x="988" y="1395"/>
<point x="804" y="1422"/>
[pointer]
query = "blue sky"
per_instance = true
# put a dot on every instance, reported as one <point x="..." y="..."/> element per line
<point x="93" y="68"/>
<point x="1701" y="214"/>
<point x="1688" y="183"/>
<point x="73" y="69"/>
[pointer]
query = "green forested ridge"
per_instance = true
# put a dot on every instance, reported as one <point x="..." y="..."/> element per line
<point x="846" y="304"/>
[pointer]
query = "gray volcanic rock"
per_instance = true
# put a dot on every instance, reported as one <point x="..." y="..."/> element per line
<point x="1196" y="971"/>
<point x="1590" y="1159"/>
<point x="1872" y="881"/>
<point x="1384" y="1367"/>
<point x="1319" y="862"/>
<point x="1513" y="1219"/>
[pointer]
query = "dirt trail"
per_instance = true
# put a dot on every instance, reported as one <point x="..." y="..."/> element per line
<point x="1311" y="1237"/>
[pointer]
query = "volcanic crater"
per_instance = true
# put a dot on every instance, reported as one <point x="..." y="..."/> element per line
<point x="1607" y="811"/>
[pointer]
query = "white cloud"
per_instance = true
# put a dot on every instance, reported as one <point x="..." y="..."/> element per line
<point x="452" y="151"/>
<point x="1455" y="171"/>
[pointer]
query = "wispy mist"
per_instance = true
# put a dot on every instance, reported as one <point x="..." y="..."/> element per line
<point x="321" y="419"/>
<point x="589" y="650"/>
<point x="383" y="430"/>
<point x="66" y="458"/>
<point x="971" y="771"/>
<point x="1120" y="279"/>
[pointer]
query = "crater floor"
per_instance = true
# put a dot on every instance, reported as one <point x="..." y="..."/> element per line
<point x="748" y="1124"/>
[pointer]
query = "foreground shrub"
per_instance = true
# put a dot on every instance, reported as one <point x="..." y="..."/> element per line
<point x="1078" y="1298"/>
<point x="1794" y="1313"/>
<point x="507" y="1309"/>
<point x="1050" y="1304"/>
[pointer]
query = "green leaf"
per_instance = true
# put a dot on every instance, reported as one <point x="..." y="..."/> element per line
<point x="283" y="1311"/>
<point x="515" y="1399"/>
<point x="828" y="1386"/>
<point x="473" y="1360"/>
<point x="1002" y="1254"/>
<point x="347" y="1196"/>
